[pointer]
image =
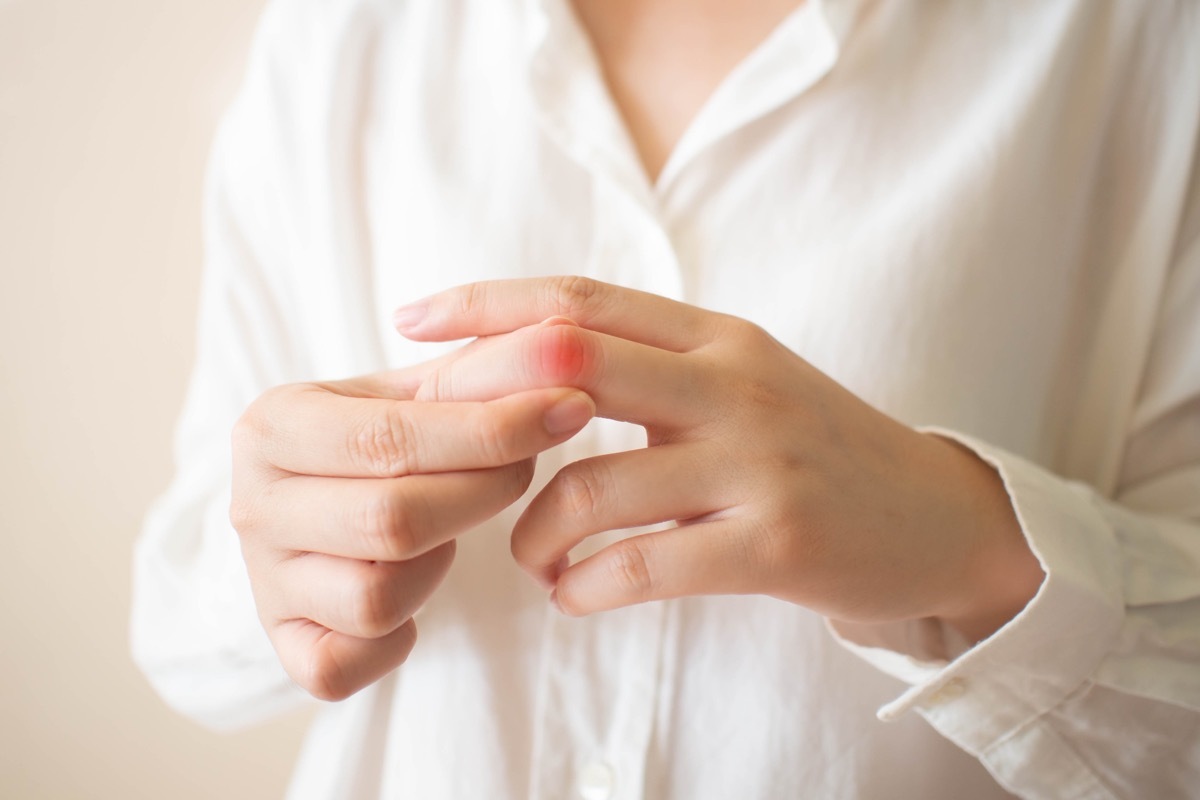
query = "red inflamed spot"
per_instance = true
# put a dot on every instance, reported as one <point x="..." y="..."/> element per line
<point x="561" y="354"/>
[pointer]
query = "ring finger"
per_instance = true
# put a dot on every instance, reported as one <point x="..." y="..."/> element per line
<point x="623" y="490"/>
<point x="364" y="599"/>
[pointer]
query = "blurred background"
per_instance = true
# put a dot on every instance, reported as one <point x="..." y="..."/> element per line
<point x="107" y="109"/>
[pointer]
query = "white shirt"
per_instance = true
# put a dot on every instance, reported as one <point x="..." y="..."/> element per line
<point x="981" y="217"/>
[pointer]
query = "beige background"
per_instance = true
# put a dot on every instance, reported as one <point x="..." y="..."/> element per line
<point x="107" y="108"/>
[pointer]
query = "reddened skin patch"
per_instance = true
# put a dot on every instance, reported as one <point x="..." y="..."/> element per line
<point x="561" y="354"/>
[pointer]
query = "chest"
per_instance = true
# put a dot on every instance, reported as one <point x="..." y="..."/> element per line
<point x="936" y="247"/>
<point x="661" y="60"/>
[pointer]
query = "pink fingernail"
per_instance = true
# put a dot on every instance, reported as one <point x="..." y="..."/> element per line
<point x="409" y="316"/>
<point x="569" y="414"/>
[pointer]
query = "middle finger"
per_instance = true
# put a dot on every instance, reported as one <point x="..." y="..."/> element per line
<point x="390" y="519"/>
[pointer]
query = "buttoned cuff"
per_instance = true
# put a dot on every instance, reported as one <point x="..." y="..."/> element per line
<point x="983" y="696"/>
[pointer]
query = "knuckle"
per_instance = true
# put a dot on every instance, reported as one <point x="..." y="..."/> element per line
<point x="745" y="332"/>
<point x="247" y="432"/>
<point x="384" y="446"/>
<point x="630" y="570"/>
<point x="742" y="338"/>
<point x="319" y="673"/>
<point x="472" y="298"/>
<point x="253" y="428"/>
<point x="242" y="516"/>
<point x="574" y="296"/>
<point x="385" y="524"/>
<point x="247" y="511"/>
<point x="580" y="488"/>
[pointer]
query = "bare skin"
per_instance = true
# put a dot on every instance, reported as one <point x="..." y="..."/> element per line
<point x="662" y="59"/>
<point x="348" y="496"/>
<point x="783" y="482"/>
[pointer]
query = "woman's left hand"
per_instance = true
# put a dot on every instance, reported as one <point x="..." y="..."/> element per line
<point x="782" y="481"/>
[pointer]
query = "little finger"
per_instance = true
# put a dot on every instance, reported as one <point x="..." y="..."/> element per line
<point x="331" y="665"/>
<point x="727" y="556"/>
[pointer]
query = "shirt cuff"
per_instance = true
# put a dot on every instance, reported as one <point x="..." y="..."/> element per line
<point x="979" y="696"/>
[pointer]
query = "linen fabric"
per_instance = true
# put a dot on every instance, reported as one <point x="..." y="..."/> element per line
<point x="983" y="218"/>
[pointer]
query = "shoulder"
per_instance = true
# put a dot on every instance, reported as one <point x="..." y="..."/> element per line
<point x="298" y="40"/>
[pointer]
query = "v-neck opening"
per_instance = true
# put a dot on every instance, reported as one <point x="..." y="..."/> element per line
<point x="794" y="56"/>
<point x="797" y="53"/>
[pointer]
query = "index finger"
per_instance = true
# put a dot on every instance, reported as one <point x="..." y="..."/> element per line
<point x="491" y="307"/>
<point x="308" y="430"/>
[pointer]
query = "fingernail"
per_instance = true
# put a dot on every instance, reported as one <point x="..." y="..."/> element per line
<point x="554" y="601"/>
<point x="409" y="316"/>
<point x="569" y="414"/>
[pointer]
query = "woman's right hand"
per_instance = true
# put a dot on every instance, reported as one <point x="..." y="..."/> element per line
<point x="348" y="497"/>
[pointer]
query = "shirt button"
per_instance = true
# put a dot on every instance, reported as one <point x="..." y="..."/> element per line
<point x="950" y="690"/>
<point x="596" y="781"/>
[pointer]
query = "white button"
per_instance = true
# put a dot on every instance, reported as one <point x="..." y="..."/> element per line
<point x="950" y="690"/>
<point x="596" y="781"/>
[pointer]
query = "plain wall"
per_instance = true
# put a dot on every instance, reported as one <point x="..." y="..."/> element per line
<point x="107" y="109"/>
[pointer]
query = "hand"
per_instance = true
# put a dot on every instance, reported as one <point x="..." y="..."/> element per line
<point x="347" y="497"/>
<point x="782" y="482"/>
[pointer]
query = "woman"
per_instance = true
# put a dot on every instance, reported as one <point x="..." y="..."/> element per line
<point x="906" y="298"/>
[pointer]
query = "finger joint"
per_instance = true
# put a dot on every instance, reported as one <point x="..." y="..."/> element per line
<point x="631" y="571"/>
<point x="574" y="296"/>
<point x="385" y="446"/>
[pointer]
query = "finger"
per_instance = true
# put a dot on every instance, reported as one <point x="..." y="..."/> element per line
<point x="366" y="599"/>
<point x="310" y="431"/>
<point x="393" y="384"/>
<point x="491" y="307"/>
<point x="384" y="520"/>
<point x="623" y="490"/>
<point x="402" y="384"/>
<point x="628" y="381"/>
<point x="331" y="665"/>
<point x="721" y="557"/>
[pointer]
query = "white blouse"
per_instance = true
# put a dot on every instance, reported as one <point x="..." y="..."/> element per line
<point x="983" y="218"/>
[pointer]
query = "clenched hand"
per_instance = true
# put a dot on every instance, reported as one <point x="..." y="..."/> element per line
<point x="348" y="496"/>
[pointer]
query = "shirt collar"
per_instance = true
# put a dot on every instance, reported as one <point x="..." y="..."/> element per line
<point x="577" y="111"/>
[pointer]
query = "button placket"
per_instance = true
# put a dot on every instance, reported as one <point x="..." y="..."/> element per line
<point x="596" y="713"/>
<point x="630" y="244"/>
<point x="597" y="781"/>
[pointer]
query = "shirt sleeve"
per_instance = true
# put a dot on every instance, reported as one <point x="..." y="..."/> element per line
<point x="1093" y="690"/>
<point x="194" y="629"/>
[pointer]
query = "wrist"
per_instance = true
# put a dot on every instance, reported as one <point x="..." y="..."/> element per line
<point x="998" y="573"/>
